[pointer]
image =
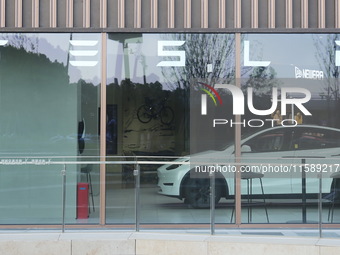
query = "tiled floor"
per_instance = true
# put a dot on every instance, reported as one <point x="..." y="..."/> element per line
<point x="174" y="215"/>
<point x="165" y="210"/>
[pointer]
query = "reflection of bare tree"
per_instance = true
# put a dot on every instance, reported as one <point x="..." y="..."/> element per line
<point x="262" y="79"/>
<point x="21" y="41"/>
<point x="325" y="53"/>
<point x="208" y="56"/>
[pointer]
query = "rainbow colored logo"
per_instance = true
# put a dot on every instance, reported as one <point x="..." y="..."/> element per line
<point x="212" y="93"/>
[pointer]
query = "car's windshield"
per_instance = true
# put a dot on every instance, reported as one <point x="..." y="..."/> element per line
<point x="244" y="135"/>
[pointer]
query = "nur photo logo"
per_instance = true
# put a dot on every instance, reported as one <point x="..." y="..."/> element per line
<point x="281" y="98"/>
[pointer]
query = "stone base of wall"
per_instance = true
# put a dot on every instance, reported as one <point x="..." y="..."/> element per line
<point x="158" y="244"/>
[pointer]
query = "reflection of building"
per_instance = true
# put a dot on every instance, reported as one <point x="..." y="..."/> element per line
<point x="322" y="113"/>
<point x="114" y="49"/>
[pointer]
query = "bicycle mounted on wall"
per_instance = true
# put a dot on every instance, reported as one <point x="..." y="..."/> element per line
<point x="155" y="110"/>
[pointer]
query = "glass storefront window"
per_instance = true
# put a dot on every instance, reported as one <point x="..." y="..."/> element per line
<point x="195" y="73"/>
<point x="48" y="108"/>
<point x="149" y="80"/>
<point x="291" y="91"/>
<point x="179" y="106"/>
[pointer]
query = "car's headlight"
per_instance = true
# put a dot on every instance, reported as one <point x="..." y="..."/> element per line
<point x="174" y="166"/>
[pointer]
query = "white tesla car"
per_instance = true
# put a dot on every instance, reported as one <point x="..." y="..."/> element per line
<point x="281" y="155"/>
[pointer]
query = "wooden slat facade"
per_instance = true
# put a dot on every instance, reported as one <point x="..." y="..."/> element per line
<point x="165" y="15"/>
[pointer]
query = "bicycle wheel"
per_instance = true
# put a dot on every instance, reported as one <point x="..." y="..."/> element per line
<point x="143" y="115"/>
<point x="167" y="115"/>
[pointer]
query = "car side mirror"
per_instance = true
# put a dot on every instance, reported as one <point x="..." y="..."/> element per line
<point x="245" y="149"/>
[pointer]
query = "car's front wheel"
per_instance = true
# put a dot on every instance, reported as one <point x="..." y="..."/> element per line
<point x="197" y="193"/>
